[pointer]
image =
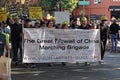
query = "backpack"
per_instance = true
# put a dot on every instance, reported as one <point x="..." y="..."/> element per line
<point x="2" y="43"/>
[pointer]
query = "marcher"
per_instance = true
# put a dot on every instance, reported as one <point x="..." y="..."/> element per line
<point x="104" y="31"/>
<point x="4" y="41"/>
<point x="16" y="39"/>
<point x="93" y="26"/>
<point x="50" y="26"/>
<point x="74" y="24"/>
<point x="84" y="25"/>
<point x="6" y="28"/>
<point x="114" y="28"/>
<point x="64" y="26"/>
<point x="37" y="24"/>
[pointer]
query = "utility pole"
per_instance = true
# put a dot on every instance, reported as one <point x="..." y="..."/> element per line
<point x="60" y="5"/>
<point x="83" y="10"/>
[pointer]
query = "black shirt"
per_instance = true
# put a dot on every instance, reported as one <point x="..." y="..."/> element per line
<point x="104" y="30"/>
<point x="114" y="28"/>
<point x="16" y="30"/>
<point x="84" y="27"/>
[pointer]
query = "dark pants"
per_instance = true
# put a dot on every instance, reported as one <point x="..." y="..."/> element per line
<point x="1" y="52"/>
<point x="16" y="46"/>
<point x="103" y="47"/>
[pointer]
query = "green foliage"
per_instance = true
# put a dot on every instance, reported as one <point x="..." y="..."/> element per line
<point x="69" y="4"/>
<point x="64" y="4"/>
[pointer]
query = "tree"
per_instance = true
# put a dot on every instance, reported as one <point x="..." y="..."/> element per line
<point x="61" y="4"/>
<point x="69" y="4"/>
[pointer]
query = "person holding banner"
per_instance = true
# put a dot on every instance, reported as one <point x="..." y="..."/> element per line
<point x="64" y="26"/>
<point x="49" y="25"/>
<point x="74" y="24"/>
<point x="84" y="25"/>
<point x="37" y="24"/>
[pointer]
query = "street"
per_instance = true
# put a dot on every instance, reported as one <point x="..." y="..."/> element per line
<point x="110" y="70"/>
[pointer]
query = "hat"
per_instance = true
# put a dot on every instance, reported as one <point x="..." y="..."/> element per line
<point x="52" y="18"/>
<point x="84" y="19"/>
<point x="103" y="18"/>
<point x="113" y="18"/>
<point x="64" y="22"/>
<point x="37" y="22"/>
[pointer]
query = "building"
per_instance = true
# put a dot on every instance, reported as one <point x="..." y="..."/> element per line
<point x="30" y="2"/>
<point x="97" y="8"/>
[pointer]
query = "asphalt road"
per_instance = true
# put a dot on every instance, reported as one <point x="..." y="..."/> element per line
<point x="110" y="70"/>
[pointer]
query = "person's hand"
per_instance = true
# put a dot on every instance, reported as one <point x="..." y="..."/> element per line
<point x="22" y="35"/>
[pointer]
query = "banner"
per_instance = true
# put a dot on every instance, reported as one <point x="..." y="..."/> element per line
<point x="35" y="12"/>
<point x="3" y="14"/>
<point x="59" y="45"/>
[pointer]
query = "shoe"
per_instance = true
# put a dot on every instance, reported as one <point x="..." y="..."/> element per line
<point x="63" y="63"/>
<point x="101" y="62"/>
<point x="33" y="66"/>
<point x="77" y="62"/>
<point x="15" y="63"/>
<point x="50" y="65"/>
<point x="87" y="64"/>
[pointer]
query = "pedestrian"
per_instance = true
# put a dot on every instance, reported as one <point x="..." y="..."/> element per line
<point x="84" y="25"/>
<point x="104" y="34"/>
<point x="16" y="39"/>
<point x="114" y="30"/>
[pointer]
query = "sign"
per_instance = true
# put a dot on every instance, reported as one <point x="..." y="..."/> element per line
<point x="84" y="3"/>
<point x="3" y="14"/>
<point x="13" y="10"/>
<point x="35" y="12"/>
<point x="60" y="17"/>
<point x="94" y="17"/>
<point x="114" y="8"/>
<point x="54" y="45"/>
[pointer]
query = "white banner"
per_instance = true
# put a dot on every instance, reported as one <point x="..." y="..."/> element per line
<point x="59" y="45"/>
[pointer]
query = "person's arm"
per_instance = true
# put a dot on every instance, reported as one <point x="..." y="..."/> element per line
<point x="6" y="41"/>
